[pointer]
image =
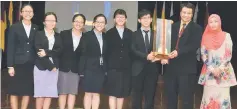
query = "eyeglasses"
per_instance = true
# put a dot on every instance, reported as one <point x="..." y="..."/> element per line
<point x="27" y="11"/>
<point x="78" y="22"/>
<point x="120" y="17"/>
<point x="50" y="21"/>
<point x="146" y="18"/>
<point x="100" y="22"/>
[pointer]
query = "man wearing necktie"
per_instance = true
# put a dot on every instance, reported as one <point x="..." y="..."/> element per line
<point x="144" y="68"/>
<point x="180" y="76"/>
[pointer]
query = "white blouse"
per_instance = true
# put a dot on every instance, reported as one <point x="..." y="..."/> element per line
<point x="100" y="40"/>
<point x="51" y="40"/>
<point x="27" y="29"/>
<point x="76" y="40"/>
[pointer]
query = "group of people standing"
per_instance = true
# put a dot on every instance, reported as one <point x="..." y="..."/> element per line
<point x="119" y="63"/>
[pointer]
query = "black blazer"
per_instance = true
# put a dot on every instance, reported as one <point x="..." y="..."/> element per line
<point x="140" y="53"/>
<point x="20" y="48"/>
<point x="41" y="42"/>
<point x="69" y="58"/>
<point x="90" y="53"/>
<point x="118" y="55"/>
<point x="190" y="40"/>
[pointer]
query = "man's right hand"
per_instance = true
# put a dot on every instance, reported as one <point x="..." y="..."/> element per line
<point x="150" y="56"/>
<point x="11" y="71"/>
<point x="164" y="61"/>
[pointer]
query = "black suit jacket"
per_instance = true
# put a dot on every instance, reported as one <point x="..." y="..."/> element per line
<point x="140" y="53"/>
<point x="20" y="48"/>
<point x="185" y="62"/>
<point x="118" y="55"/>
<point x="41" y="42"/>
<point x="90" y="53"/>
<point x="69" y="58"/>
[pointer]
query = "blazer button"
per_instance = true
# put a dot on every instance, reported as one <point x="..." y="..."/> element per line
<point x="121" y="51"/>
<point x="120" y="57"/>
<point x="28" y="43"/>
<point x="28" y="51"/>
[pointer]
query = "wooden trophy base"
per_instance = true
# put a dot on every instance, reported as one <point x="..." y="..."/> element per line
<point x="161" y="56"/>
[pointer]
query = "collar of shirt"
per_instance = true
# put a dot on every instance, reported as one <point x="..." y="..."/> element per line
<point x="75" y="36"/>
<point x="27" y="29"/>
<point x="98" y="35"/>
<point x="120" y="31"/>
<point x="47" y="34"/>
<point x="181" y="24"/>
<point x="143" y="33"/>
<point x="144" y="29"/>
<point x="28" y="26"/>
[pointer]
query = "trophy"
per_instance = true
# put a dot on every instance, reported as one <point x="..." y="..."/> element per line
<point x="162" y="38"/>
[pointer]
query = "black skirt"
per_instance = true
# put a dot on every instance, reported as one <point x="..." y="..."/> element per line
<point x="22" y="84"/>
<point x="93" y="82"/>
<point x="118" y="83"/>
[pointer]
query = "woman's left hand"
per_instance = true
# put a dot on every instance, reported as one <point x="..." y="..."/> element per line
<point x="217" y="72"/>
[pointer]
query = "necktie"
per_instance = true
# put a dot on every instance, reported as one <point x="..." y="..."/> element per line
<point x="146" y="40"/>
<point x="180" y="34"/>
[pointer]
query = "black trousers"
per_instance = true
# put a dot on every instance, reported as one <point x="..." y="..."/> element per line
<point x="183" y="85"/>
<point x="144" y="84"/>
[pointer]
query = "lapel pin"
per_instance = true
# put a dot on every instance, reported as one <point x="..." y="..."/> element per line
<point x="34" y="28"/>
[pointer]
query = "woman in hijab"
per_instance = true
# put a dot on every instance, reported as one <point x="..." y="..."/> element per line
<point x="217" y="74"/>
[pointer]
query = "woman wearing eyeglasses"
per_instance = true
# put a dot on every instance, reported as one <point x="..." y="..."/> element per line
<point x="91" y="64"/>
<point x="48" y="46"/>
<point x="20" y="58"/>
<point x="68" y="68"/>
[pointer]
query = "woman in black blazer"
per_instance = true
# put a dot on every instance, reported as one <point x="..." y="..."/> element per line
<point x="68" y="68"/>
<point x="48" y="46"/>
<point x="118" y="58"/>
<point x="20" y="58"/>
<point x="91" y="64"/>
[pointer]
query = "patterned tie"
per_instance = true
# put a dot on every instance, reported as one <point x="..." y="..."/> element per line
<point x="180" y="34"/>
<point x="146" y="40"/>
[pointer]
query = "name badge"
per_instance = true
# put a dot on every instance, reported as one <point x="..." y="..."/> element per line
<point x="101" y="60"/>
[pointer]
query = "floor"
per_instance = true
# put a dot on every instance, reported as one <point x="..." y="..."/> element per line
<point x="159" y="99"/>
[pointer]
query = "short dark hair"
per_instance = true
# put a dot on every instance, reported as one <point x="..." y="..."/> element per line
<point x="99" y="15"/>
<point x="81" y="15"/>
<point x="143" y="12"/>
<point x="121" y="12"/>
<point x="187" y="5"/>
<point x="21" y="18"/>
<point x="27" y="5"/>
<point x="50" y="13"/>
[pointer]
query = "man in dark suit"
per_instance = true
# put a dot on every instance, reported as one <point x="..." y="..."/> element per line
<point x="144" y="69"/>
<point x="180" y="75"/>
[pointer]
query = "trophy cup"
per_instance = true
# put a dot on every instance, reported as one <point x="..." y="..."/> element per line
<point x="162" y="38"/>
